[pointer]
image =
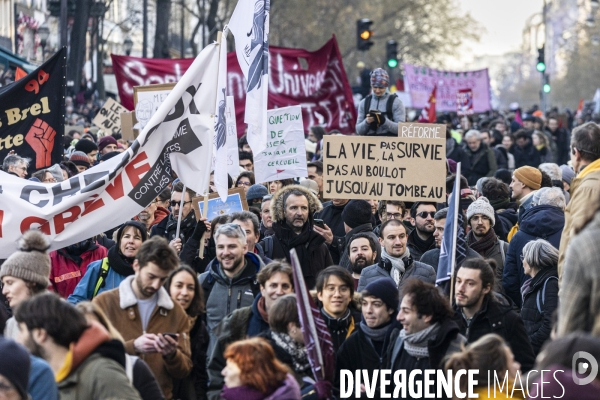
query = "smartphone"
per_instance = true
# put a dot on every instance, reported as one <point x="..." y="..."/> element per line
<point x="173" y="336"/>
<point x="319" y="223"/>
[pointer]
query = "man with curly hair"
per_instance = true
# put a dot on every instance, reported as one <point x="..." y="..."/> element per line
<point x="292" y="211"/>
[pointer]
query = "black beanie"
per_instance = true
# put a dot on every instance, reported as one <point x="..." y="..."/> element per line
<point x="356" y="213"/>
<point x="87" y="146"/>
<point x="136" y="224"/>
<point x="386" y="290"/>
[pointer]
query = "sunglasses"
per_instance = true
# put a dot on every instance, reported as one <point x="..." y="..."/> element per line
<point x="424" y="214"/>
<point x="177" y="203"/>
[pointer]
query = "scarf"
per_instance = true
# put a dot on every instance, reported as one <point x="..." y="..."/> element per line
<point x="415" y="344"/>
<point x="296" y="350"/>
<point x="499" y="204"/>
<point x="261" y="309"/>
<point x="398" y="267"/>
<point x="301" y="242"/>
<point x="339" y="328"/>
<point x="375" y="334"/>
<point x="187" y="226"/>
<point x="119" y="263"/>
<point x="425" y="245"/>
<point x="484" y="244"/>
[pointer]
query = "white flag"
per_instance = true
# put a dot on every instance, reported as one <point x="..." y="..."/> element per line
<point x="220" y="141"/>
<point x="178" y="137"/>
<point x="250" y="27"/>
<point x="233" y="154"/>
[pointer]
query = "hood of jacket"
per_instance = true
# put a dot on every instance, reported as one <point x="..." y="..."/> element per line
<point x="128" y="299"/>
<point x="592" y="167"/>
<point x="278" y="209"/>
<point x="542" y="221"/>
<point x="249" y="272"/>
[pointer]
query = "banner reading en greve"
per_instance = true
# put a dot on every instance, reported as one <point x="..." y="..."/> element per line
<point x="285" y="154"/>
<point x="410" y="167"/>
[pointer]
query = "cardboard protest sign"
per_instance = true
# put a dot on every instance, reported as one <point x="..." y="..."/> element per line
<point x="464" y="102"/>
<point x="109" y="117"/>
<point x="236" y="201"/>
<point x="410" y="167"/>
<point x="285" y="154"/>
<point x="32" y="112"/>
<point x="147" y="99"/>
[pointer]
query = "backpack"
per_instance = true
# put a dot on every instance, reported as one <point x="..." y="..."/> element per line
<point x="209" y="283"/>
<point x="267" y="245"/>
<point x="104" y="267"/>
<point x="389" y="113"/>
<point x="541" y="295"/>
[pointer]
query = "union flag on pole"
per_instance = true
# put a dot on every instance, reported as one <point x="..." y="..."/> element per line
<point x="428" y="113"/>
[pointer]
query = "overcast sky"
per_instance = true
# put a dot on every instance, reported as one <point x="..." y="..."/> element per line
<point x="503" y="20"/>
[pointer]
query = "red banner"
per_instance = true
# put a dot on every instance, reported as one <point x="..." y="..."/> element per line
<point x="315" y="80"/>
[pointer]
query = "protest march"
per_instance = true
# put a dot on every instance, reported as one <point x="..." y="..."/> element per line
<point x="249" y="223"/>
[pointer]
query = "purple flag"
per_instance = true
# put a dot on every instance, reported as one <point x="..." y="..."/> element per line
<point x="316" y="335"/>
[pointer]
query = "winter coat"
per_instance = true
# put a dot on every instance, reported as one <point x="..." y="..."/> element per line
<point x="41" y="384"/>
<point x="288" y="390"/>
<point x="365" y="228"/>
<point x="447" y="341"/>
<point x="527" y="155"/>
<point x="415" y="251"/>
<point x="68" y="270"/>
<point x="332" y="217"/>
<point x="497" y="253"/>
<point x="508" y="217"/>
<point x="167" y="228"/>
<point x="579" y="307"/>
<point x="194" y="385"/>
<point x="483" y="163"/>
<point x="510" y="159"/>
<point x="389" y="127"/>
<point x="417" y="269"/>
<point x="585" y="201"/>
<point x="234" y="327"/>
<point x="501" y="158"/>
<point x="143" y="379"/>
<point x="563" y="146"/>
<point x="539" y="222"/>
<point x="97" y="369"/>
<point x="223" y="296"/>
<point x="540" y="291"/>
<point x="85" y="288"/>
<point x="432" y="257"/>
<point x="120" y="306"/>
<point x="455" y="152"/>
<point x="497" y="316"/>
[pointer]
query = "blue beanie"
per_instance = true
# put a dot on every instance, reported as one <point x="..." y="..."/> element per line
<point x="256" y="191"/>
<point x="386" y="290"/>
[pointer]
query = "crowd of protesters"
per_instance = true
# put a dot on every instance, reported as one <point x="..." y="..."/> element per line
<point x="141" y="313"/>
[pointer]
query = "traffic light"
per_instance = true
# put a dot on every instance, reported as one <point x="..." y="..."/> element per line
<point x="364" y="34"/>
<point x="391" y="50"/>
<point x="541" y="64"/>
<point x="546" y="87"/>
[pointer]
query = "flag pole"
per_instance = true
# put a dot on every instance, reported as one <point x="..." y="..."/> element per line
<point x="181" y="202"/>
<point x="455" y="192"/>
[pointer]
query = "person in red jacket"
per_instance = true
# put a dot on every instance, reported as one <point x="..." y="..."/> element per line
<point x="70" y="263"/>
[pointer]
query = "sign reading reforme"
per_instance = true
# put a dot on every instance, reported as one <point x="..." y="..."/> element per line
<point x="410" y="167"/>
<point x="285" y="154"/>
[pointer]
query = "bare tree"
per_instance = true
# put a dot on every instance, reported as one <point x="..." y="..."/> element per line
<point x="161" y="35"/>
<point x="77" y="51"/>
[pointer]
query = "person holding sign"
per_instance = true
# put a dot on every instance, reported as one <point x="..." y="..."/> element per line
<point x="380" y="112"/>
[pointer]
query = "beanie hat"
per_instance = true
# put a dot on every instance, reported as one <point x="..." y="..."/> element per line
<point x="386" y="290"/>
<point x="531" y="177"/>
<point x="380" y="78"/>
<point x="56" y="172"/>
<point x="15" y="365"/>
<point x="105" y="141"/>
<point x="356" y="213"/>
<point x="310" y="185"/>
<point x="136" y="224"/>
<point x="256" y="191"/>
<point x="481" y="206"/>
<point x="80" y="158"/>
<point x="86" y="146"/>
<point x="31" y="261"/>
<point x="567" y="173"/>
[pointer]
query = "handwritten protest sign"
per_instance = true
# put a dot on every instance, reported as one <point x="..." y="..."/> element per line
<point x="285" y="154"/>
<point x="410" y="167"/>
<point x="109" y="117"/>
<point x="147" y="99"/>
<point x="464" y="102"/>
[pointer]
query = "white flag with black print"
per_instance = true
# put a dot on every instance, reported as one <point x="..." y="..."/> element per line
<point x="249" y="25"/>
<point x="220" y="140"/>
<point x="178" y="137"/>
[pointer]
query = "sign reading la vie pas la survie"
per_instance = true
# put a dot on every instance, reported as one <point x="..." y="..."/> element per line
<point x="285" y="154"/>
<point x="410" y="167"/>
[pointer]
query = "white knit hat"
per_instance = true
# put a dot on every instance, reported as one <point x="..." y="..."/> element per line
<point x="481" y="206"/>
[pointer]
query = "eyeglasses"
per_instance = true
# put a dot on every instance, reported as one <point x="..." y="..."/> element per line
<point x="51" y="180"/>
<point x="393" y="215"/>
<point x="424" y="214"/>
<point x="244" y="184"/>
<point x="177" y="203"/>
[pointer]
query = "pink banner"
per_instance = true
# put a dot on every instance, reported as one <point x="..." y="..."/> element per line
<point x="420" y="81"/>
<point x="315" y="80"/>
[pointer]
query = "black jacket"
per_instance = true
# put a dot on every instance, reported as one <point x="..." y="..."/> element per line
<point x="539" y="324"/>
<point x="527" y="155"/>
<point x="498" y="317"/>
<point x="483" y="163"/>
<point x="332" y="217"/>
<point x="416" y="251"/>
